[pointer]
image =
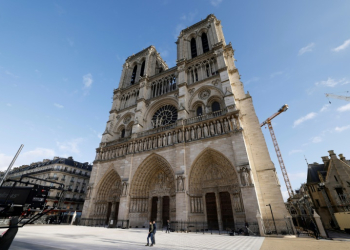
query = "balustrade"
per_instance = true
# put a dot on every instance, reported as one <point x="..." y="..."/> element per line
<point x="197" y="128"/>
<point x="201" y="70"/>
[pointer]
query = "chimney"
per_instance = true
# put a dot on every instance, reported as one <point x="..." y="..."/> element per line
<point x="332" y="154"/>
<point x="325" y="159"/>
<point x="342" y="157"/>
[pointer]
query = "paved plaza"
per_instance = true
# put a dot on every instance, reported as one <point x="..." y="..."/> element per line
<point x="59" y="237"/>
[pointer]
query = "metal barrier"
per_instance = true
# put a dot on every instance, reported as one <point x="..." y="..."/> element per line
<point x="101" y="223"/>
<point x="278" y="226"/>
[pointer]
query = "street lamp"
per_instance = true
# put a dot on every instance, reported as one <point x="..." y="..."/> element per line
<point x="269" y="205"/>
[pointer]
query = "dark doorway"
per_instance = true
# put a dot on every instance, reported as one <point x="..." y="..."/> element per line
<point x="226" y="210"/>
<point x="109" y="207"/>
<point x="212" y="214"/>
<point x="116" y="212"/>
<point x="165" y="210"/>
<point x="154" y="208"/>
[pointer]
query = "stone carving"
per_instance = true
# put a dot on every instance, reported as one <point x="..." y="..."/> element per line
<point x="212" y="132"/>
<point x="127" y="119"/>
<point x="180" y="183"/>
<point x="237" y="203"/>
<point x="215" y="82"/>
<point x="88" y="192"/>
<point x="204" y="94"/>
<point x="125" y="189"/>
<point x="205" y="128"/>
<point x="218" y="127"/>
<point x="245" y="177"/>
<point x="191" y="91"/>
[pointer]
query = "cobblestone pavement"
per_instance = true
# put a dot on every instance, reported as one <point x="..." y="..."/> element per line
<point x="303" y="243"/>
<point x="59" y="237"/>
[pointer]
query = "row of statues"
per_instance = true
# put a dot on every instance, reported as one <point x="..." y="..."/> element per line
<point x="192" y="133"/>
<point x="138" y="205"/>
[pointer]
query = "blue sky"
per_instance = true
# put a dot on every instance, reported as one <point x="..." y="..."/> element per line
<point x="61" y="60"/>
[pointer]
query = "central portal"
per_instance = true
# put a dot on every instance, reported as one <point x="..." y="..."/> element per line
<point x="154" y="208"/>
<point x="212" y="214"/>
<point x="166" y="210"/>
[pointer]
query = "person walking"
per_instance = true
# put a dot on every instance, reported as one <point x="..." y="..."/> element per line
<point x="154" y="232"/>
<point x="167" y="227"/>
<point x="150" y="234"/>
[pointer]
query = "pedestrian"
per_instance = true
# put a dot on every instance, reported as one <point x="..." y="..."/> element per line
<point x="167" y="227"/>
<point x="154" y="232"/>
<point x="150" y="234"/>
<point x="314" y="229"/>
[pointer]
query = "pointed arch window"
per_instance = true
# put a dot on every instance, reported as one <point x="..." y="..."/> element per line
<point x="193" y="48"/>
<point x="133" y="75"/>
<point x="142" y="69"/>
<point x="205" y="43"/>
<point x="215" y="106"/>
<point x="123" y="133"/>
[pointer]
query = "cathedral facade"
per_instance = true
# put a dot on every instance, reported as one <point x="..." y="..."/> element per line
<point x="183" y="143"/>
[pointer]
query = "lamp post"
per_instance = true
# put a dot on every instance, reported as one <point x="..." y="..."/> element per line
<point x="269" y="205"/>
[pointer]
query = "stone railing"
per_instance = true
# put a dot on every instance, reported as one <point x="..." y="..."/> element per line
<point x="215" y="124"/>
<point x="163" y="84"/>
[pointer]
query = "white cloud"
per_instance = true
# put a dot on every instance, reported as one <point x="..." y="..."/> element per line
<point x="316" y="139"/>
<point x="5" y="161"/>
<point x="344" y="108"/>
<point x="304" y="118"/>
<point x="276" y="74"/>
<point x="215" y="2"/>
<point x="332" y="83"/>
<point x="294" y="151"/>
<point x="87" y="80"/>
<point x="324" y="108"/>
<point x="11" y="74"/>
<point x="285" y="195"/>
<point x="342" y="47"/>
<point x="251" y="80"/>
<point x="58" y="105"/>
<point x="26" y="158"/>
<point x="307" y="48"/>
<point x="71" y="146"/>
<point x="341" y="129"/>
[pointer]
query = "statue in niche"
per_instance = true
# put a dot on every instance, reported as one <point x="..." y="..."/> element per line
<point x="218" y="127"/>
<point x="180" y="135"/>
<point x="136" y="147"/>
<point x="149" y="143"/>
<point x="125" y="189"/>
<point x="175" y="137"/>
<point x="164" y="140"/>
<point x="199" y="132"/>
<point x="192" y="134"/>
<point x="88" y="192"/>
<point x="145" y="144"/>
<point x="205" y="128"/>
<point x="187" y="135"/>
<point x="245" y="177"/>
<point x="161" y="180"/>
<point x="237" y="203"/>
<point x="170" y="138"/>
<point x="159" y="141"/>
<point x="154" y="142"/>
<point x="212" y="131"/>
<point x="180" y="184"/>
<point x="226" y="127"/>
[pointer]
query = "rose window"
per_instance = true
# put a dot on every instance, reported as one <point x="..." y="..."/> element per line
<point x="164" y="116"/>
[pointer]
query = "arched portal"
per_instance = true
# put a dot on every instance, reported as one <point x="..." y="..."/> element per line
<point x="152" y="191"/>
<point x="214" y="190"/>
<point x="108" y="197"/>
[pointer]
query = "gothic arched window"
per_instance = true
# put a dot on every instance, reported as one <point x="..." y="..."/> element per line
<point x="193" y="48"/>
<point x="205" y="43"/>
<point x="199" y="111"/>
<point x="164" y="116"/>
<point x="142" y="69"/>
<point x="123" y="133"/>
<point x="215" y="106"/>
<point x="133" y="75"/>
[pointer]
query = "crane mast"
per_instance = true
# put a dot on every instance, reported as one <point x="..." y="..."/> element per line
<point x="277" y="149"/>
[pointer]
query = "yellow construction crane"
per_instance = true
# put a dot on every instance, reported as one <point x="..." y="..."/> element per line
<point x="277" y="149"/>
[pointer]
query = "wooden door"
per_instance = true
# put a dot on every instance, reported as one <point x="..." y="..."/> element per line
<point x="212" y="214"/>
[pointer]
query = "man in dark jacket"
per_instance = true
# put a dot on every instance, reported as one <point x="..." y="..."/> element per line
<point x="154" y="232"/>
<point x="150" y="234"/>
<point x="167" y="227"/>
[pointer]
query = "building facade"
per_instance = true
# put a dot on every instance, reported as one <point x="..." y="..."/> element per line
<point x="328" y="185"/>
<point x="183" y="143"/>
<point x="74" y="175"/>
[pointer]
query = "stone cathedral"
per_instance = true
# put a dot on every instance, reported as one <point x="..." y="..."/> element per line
<point x="183" y="143"/>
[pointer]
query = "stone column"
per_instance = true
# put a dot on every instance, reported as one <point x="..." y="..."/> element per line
<point x="159" y="208"/>
<point x="218" y="208"/>
<point x="320" y="225"/>
<point x="112" y="215"/>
